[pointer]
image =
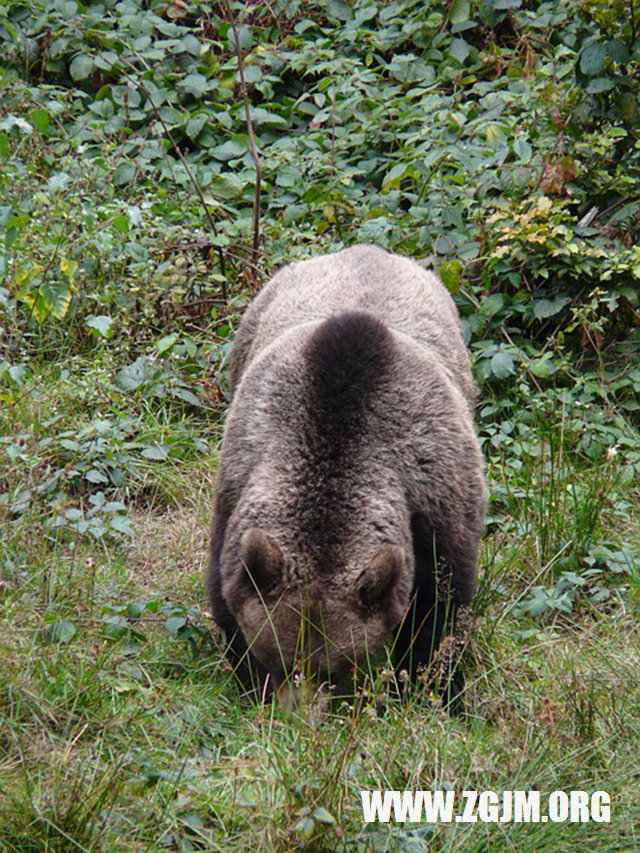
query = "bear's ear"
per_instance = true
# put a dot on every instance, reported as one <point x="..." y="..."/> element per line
<point x="262" y="559"/>
<point x="378" y="579"/>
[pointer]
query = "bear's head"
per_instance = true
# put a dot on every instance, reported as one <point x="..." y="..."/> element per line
<point x="306" y="633"/>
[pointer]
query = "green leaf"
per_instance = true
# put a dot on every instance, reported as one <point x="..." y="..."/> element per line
<point x="305" y="827"/>
<point x="5" y="146"/>
<point x="166" y="343"/>
<point x="323" y="816"/>
<point x="459" y="11"/>
<point x="121" y="524"/>
<point x="502" y="365"/>
<point x="543" y="367"/>
<point x="191" y="44"/>
<point x="62" y="631"/>
<point x="134" y="375"/>
<point x="395" y="175"/>
<point x="592" y="59"/>
<point x="227" y="185"/>
<point x="58" y="181"/>
<point x="194" y="84"/>
<point x="124" y="174"/>
<point x="252" y="73"/>
<point x="174" y="623"/>
<point x="268" y="118"/>
<point x="618" y="51"/>
<point x="81" y="67"/>
<point x="245" y="37"/>
<point x="96" y="476"/>
<point x="155" y="453"/>
<point x="543" y="308"/>
<point x="626" y="103"/>
<point x="121" y="223"/>
<point x="190" y="345"/>
<point x="187" y="396"/>
<point x="459" y="50"/>
<point x="101" y="324"/>
<point x="237" y="146"/>
<point x="39" y="119"/>
<point x="600" y="84"/>
<point x="195" y="125"/>
<point x="51" y="298"/>
<point x="114" y="506"/>
<point x="408" y="68"/>
<point x="339" y="9"/>
<point x="115" y="627"/>
<point x="450" y="273"/>
<point x="523" y="150"/>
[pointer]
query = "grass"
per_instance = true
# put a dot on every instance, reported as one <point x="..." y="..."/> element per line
<point x="123" y="730"/>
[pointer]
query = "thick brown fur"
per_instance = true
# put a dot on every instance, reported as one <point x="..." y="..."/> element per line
<point x="350" y="499"/>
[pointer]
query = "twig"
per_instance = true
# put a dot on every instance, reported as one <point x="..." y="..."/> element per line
<point x="13" y="348"/>
<point x="463" y="292"/>
<point x="333" y="132"/>
<point x="546" y="160"/>
<point x="619" y="203"/>
<point x="257" y="270"/>
<point x="194" y="183"/>
<point x="183" y="160"/>
<point x="255" y="253"/>
<point x="529" y="371"/>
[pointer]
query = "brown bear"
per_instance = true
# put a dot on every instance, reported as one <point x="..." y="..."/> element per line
<point x="350" y="498"/>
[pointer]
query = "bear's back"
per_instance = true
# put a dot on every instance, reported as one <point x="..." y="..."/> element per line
<point x="406" y="298"/>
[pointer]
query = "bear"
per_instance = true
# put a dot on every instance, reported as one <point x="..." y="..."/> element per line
<point x="350" y="496"/>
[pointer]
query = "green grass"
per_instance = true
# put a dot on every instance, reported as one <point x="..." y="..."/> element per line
<point x="126" y="732"/>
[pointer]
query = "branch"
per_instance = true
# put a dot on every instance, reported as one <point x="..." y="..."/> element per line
<point x="194" y="182"/>
<point x="255" y="253"/>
